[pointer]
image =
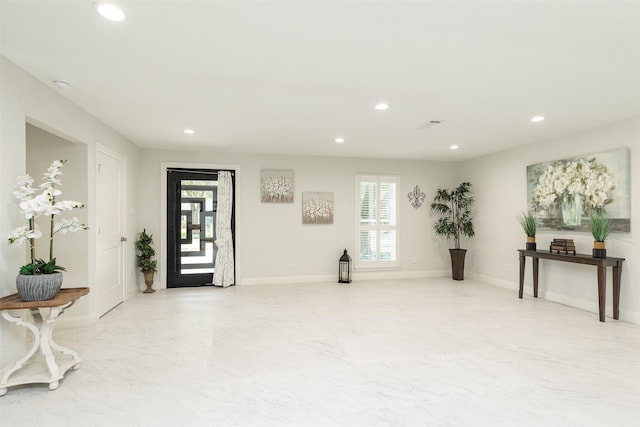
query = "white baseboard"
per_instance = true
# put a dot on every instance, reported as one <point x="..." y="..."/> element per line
<point x="362" y="275"/>
<point x="507" y="284"/>
<point x="591" y="306"/>
<point x="285" y="279"/>
<point x="587" y="305"/>
<point x="630" y="316"/>
<point x="378" y="275"/>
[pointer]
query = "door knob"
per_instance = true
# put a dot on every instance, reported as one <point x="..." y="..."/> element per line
<point x="123" y="239"/>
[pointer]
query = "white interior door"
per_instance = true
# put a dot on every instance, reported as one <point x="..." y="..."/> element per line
<point x="110" y="169"/>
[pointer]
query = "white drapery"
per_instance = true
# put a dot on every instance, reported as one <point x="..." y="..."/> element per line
<point x="224" y="269"/>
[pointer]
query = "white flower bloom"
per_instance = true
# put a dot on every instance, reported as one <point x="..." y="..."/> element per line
<point x="68" y="225"/>
<point x="563" y="178"/>
<point x="25" y="187"/>
<point x="67" y="205"/>
<point x="24" y="181"/>
<point x="33" y="207"/>
<point x="34" y="234"/>
<point x="19" y="235"/>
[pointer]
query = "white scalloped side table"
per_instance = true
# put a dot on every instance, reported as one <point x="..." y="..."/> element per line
<point x="53" y="360"/>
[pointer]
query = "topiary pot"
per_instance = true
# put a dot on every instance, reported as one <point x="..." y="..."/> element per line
<point x="148" y="280"/>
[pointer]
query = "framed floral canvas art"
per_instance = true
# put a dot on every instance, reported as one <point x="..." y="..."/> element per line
<point x="563" y="193"/>
<point x="276" y="186"/>
<point x="317" y="208"/>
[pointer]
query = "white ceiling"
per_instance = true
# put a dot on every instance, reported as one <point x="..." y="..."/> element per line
<point x="290" y="76"/>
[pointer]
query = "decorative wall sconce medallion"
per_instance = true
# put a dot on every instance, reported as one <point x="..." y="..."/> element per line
<point x="416" y="197"/>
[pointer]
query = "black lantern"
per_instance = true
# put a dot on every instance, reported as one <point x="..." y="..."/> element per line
<point x="344" y="270"/>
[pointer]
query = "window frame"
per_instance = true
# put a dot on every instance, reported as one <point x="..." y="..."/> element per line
<point x="378" y="264"/>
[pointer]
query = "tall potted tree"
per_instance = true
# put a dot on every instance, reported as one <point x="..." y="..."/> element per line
<point x="145" y="261"/>
<point x="454" y="208"/>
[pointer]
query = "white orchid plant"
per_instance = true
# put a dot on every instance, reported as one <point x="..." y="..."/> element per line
<point x="36" y="202"/>
<point x="566" y="178"/>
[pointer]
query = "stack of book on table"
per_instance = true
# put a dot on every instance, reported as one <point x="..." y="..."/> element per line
<point x="563" y="245"/>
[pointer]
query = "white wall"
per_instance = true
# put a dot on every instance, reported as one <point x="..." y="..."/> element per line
<point x="500" y="189"/>
<point x="24" y="99"/>
<point x="272" y="243"/>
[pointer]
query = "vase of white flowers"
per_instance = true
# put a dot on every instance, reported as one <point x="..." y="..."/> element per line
<point x="40" y="280"/>
<point x="571" y="208"/>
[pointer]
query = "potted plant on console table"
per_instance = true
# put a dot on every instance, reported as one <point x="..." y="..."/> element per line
<point x="601" y="226"/>
<point x="528" y="223"/>
<point x="454" y="207"/>
<point x="40" y="280"/>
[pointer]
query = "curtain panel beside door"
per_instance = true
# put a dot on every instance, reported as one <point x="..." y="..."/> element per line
<point x="224" y="272"/>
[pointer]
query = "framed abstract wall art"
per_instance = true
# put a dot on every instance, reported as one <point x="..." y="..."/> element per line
<point x="563" y="193"/>
<point x="317" y="208"/>
<point x="276" y="186"/>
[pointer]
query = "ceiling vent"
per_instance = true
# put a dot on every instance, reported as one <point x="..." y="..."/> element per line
<point x="430" y="124"/>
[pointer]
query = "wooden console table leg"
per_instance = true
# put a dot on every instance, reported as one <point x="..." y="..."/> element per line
<point x="602" y="289"/>
<point x="522" y="263"/>
<point x="536" y="263"/>
<point x="617" y="273"/>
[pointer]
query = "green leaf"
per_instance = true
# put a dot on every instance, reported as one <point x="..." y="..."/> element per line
<point x="40" y="266"/>
<point x="601" y="225"/>
<point x="528" y="223"/>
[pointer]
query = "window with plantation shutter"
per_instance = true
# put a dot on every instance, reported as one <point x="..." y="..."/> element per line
<point x="377" y="221"/>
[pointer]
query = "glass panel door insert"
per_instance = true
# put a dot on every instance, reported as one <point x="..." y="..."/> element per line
<point x="198" y="204"/>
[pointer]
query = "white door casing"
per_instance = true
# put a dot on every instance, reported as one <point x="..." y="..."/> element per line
<point x="111" y="228"/>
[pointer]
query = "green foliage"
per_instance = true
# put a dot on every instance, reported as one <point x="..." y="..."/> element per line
<point x="528" y="223"/>
<point x="601" y="225"/>
<point x="454" y="207"/>
<point x="144" y="246"/>
<point x="40" y="266"/>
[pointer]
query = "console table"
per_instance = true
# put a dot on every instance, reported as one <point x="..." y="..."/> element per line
<point x="600" y="263"/>
<point x="50" y="368"/>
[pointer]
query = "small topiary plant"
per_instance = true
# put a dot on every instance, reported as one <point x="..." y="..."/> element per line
<point x="144" y="245"/>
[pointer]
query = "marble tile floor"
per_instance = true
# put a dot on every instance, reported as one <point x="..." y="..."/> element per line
<point x="415" y="352"/>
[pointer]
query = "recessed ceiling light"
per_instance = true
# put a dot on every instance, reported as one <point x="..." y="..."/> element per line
<point x="339" y="140"/>
<point x="62" y="84"/>
<point x="109" y="11"/>
<point x="453" y="147"/>
<point x="382" y="106"/>
<point x="537" y="119"/>
<point x="189" y="131"/>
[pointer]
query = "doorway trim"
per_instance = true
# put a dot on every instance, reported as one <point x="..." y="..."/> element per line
<point x="163" y="212"/>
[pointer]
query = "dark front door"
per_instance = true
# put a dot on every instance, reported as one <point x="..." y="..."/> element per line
<point x="191" y="215"/>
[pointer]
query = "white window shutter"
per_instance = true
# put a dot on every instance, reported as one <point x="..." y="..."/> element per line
<point x="377" y="221"/>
